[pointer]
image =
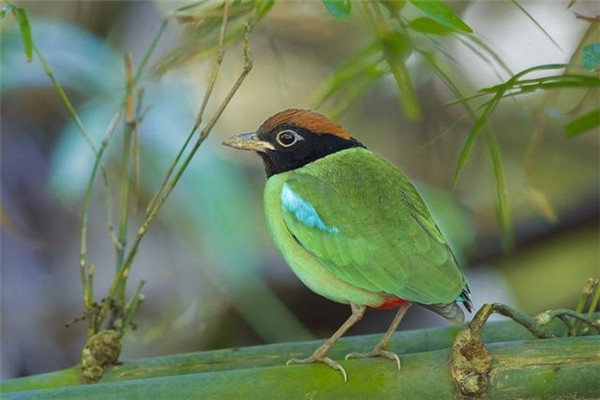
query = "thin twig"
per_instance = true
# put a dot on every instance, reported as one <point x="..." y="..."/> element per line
<point x="207" y="95"/>
<point x="133" y="304"/>
<point x="90" y="312"/>
<point x="86" y="204"/>
<point x="93" y="326"/>
<point x="140" y="114"/>
<point x="537" y="325"/>
<point x="216" y="67"/>
<point x="65" y="100"/>
<point x="109" y="211"/>
<point x="125" y="177"/>
<point x="149" y="51"/>
<point x="129" y="119"/>
<point x="152" y="212"/>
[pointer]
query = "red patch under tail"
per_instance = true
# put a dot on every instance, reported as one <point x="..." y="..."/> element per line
<point x="391" y="303"/>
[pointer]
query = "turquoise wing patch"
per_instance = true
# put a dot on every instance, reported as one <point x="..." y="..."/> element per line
<point x="303" y="210"/>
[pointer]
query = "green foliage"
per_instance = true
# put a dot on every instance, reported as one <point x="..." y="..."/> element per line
<point x="516" y="86"/>
<point x="442" y="14"/>
<point x="202" y="24"/>
<point x="427" y="25"/>
<point x="340" y="9"/>
<point x="262" y="7"/>
<point x="394" y="6"/>
<point x="584" y="123"/>
<point x="352" y="79"/>
<point x="22" y="19"/>
<point x="503" y="213"/>
<point x="396" y="49"/>
<point x="5" y="10"/>
<point x="590" y="56"/>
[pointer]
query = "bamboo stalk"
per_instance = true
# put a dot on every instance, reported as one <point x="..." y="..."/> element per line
<point x="403" y="342"/>
<point x="552" y="368"/>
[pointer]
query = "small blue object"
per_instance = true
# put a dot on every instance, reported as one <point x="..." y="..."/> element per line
<point x="590" y="56"/>
<point x="303" y="210"/>
<point x="460" y="299"/>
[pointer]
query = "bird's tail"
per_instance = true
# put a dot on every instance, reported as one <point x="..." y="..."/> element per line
<point x="452" y="312"/>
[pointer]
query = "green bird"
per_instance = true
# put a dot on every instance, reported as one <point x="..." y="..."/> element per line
<point x="351" y="226"/>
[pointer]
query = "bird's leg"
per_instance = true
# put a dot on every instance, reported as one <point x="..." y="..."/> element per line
<point x="379" y="350"/>
<point x="320" y="355"/>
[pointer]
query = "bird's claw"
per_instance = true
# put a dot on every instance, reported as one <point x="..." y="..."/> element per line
<point x="377" y="352"/>
<point x="320" y="359"/>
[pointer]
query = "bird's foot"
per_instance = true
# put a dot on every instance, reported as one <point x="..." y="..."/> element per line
<point x="320" y="359"/>
<point x="377" y="352"/>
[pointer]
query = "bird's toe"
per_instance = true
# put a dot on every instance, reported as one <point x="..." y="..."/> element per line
<point x="377" y="352"/>
<point x="320" y="359"/>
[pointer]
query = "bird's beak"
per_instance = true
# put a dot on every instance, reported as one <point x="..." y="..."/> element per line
<point x="248" y="141"/>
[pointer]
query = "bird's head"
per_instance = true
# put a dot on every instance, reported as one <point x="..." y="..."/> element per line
<point x="293" y="138"/>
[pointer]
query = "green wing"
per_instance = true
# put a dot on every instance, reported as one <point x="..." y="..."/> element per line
<point x="365" y="223"/>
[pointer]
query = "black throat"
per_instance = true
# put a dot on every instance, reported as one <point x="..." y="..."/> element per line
<point x="314" y="147"/>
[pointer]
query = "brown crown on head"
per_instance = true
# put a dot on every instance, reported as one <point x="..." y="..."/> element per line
<point x="310" y="120"/>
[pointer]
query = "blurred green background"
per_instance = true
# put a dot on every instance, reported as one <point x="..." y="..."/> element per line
<point x="214" y="277"/>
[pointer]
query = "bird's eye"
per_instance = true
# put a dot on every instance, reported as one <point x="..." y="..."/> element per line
<point x="287" y="138"/>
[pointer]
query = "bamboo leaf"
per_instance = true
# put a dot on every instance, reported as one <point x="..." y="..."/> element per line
<point x="355" y="67"/>
<point x="6" y="8"/>
<point x="441" y="13"/>
<point x="520" y="7"/>
<point x="540" y="202"/>
<point x="340" y="9"/>
<point x="393" y="6"/>
<point x="480" y="48"/>
<point x="583" y="124"/>
<point x="503" y="213"/>
<point x="23" y="20"/>
<point x="395" y="49"/>
<point x="591" y="56"/>
<point x="262" y="7"/>
<point x="479" y="124"/>
<point x="427" y="25"/>
<point x="356" y="89"/>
